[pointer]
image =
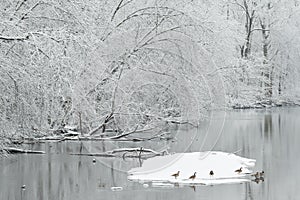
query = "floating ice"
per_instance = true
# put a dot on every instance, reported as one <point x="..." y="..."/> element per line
<point x="159" y="170"/>
<point x="116" y="188"/>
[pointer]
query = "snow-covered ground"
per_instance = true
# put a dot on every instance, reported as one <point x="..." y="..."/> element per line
<point x="159" y="170"/>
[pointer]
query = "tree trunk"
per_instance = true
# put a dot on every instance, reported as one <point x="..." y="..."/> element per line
<point x="268" y="67"/>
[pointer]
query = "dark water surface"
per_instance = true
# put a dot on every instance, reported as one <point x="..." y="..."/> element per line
<point x="270" y="136"/>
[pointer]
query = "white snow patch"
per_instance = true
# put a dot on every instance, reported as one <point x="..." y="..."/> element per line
<point x="159" y="170"/>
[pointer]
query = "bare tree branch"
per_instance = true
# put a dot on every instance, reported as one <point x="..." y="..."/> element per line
<point x="8" y="38"/>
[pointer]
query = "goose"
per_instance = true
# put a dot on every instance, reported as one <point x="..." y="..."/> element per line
<point x="238" y="170"/>
<point x="176" y="174"/>
<point x="193" y="176"/>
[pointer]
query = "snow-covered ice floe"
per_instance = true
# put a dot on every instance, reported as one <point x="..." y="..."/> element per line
<point x="159" y="170"/>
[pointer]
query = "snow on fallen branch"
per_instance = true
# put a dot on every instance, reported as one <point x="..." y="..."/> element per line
<point x="13" y="150"/>
<point x="73" y="135"/>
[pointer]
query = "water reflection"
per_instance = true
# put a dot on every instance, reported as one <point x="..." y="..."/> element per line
<point x="268" y="125"/>
<point x="270" y="137"/>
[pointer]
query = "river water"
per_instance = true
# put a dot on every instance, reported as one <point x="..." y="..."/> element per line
<point x="271" y="137"/>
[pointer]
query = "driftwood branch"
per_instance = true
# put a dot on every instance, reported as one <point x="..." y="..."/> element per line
<point x="126" y="152"/>
<point x="122" y="150"/>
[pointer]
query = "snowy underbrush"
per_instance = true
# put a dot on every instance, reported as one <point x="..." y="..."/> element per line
<point x="251" y="100"/>
<point x="4" y="142"/>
